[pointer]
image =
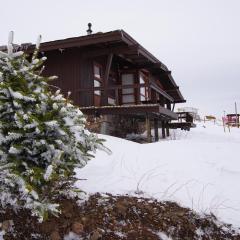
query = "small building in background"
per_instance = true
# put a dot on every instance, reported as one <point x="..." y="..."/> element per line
<point x="192" y="111"/>
<point x="186" y="118"/>
<point x="233" y="120"/>
<point x="210" y="118"/>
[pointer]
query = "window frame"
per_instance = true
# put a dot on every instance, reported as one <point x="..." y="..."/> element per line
<point x="133" y="94"/>
<point x="145" y="78"/>
<point x="97" y="79"/>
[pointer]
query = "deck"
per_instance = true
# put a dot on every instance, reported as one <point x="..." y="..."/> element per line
<point x="181" y="125"/>
<point x="154" y="110"/>
<point x="185" y="121"/>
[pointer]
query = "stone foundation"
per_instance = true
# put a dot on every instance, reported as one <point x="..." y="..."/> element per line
<point x="115" y="125"/>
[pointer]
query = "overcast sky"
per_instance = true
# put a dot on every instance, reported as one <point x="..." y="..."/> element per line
<point x="199" y="40"/>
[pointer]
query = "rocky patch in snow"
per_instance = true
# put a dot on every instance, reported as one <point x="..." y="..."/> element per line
<point x="111" y="217"/>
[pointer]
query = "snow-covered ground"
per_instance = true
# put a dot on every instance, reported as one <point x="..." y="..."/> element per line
<point x="199" y="169"/>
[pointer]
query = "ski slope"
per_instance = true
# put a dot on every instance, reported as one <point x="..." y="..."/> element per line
<point x="199" y="169"/>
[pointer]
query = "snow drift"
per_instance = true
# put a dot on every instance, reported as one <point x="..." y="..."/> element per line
<point x="199" y="169"/>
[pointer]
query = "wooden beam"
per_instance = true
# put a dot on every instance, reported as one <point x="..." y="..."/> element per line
<point x="117" y="50"/>
<point x="142" y="109"/>
<point x="156" y="129"/>
<point x="148" y="128"/>
<point x="79" y="41"/>
<point x="105" y="79"/>
<point x="167" y="130"/>
<point x="136" y="85"/>
<point x="163" y="130"/>
<point x="180" y="101"/>
<point x="181" y="125"/>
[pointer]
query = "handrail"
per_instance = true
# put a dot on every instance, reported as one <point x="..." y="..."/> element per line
<point x="113" y="87"/>
<point x="137" y="85"/>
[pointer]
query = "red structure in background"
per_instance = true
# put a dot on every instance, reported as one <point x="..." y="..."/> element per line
<point x="232" y="119"/>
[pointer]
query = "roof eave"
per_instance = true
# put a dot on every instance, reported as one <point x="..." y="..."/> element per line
<point x="80" y="41"/>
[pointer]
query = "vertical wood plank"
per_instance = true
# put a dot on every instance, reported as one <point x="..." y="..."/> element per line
<point x="148" y="128"/>
<point x="163" y="130"/>
<point x="156" y="129"/>
<point x="167" y="131"/>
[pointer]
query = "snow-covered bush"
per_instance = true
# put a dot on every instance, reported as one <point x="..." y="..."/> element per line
<point x="42" y="136"/>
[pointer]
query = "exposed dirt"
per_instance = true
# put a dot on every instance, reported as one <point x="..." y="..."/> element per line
<point x="118" y="217"/>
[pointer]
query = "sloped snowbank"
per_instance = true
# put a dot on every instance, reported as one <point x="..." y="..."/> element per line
<point x="199" y="169"/>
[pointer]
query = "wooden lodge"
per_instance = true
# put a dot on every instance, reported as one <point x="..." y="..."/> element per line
<point x="113" y="78"/>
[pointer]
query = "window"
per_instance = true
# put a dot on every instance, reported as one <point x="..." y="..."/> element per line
<point x="97" y="71"/>
<point x="128" y="96"/>
<point x="97" y="84"/>
<point x="111" y="101"/>
<point x="97" y="74"/>
<point x="143" y="90"/>
<point x="128" y="99"/>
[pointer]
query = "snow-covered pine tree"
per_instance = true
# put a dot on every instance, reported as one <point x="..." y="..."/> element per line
<point x="42" y="136"/>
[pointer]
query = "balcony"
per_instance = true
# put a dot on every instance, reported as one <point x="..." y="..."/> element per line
<point x="151" y="105"/>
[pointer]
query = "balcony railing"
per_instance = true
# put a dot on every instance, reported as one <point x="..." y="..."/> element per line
<point x="116" y="91"/>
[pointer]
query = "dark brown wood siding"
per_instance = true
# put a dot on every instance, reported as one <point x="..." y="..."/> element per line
<point x="74" y="68"/>
<point x="73" y="71"/>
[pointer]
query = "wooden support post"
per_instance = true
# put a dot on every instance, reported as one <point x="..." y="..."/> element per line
<point x="105" y="79"/>
<point x="117" y="96"/>
<point x="167" y="131"/>
<point x="104" y="125"/>
<point x="156" y="129"/>
<point x="148" y="128"/>
<point x="137" y="95"/>
<point x="163" y="130"/>
<point x="167" y="128"/>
